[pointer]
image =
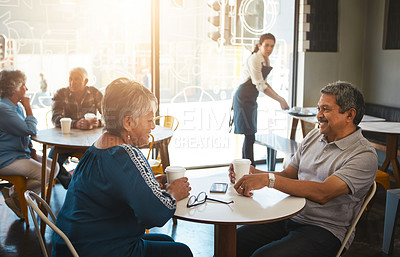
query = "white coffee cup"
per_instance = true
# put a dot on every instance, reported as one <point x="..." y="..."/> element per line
<point x="66" y="125"/>
<point x="241" y="167"/>
<point x="174" y="173"/>
<point x="90" y="116"/>
<point x="296" y="108"/>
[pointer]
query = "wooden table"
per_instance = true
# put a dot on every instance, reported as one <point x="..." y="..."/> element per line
<point x="266" y="205"/>
<point x="79" y="141"/>
<point x="392" y="131"/>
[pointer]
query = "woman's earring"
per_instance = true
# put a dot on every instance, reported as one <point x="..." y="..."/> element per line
<point x="129" y="137"/>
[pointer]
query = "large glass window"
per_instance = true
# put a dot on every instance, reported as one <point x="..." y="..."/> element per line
<point x="198" y="76"/>
<point x="108" y="38"/>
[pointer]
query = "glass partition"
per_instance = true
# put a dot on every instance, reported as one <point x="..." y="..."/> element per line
<point x="200" y="67"/>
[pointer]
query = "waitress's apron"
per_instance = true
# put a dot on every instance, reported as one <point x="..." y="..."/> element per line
<point x="245" y="106"/>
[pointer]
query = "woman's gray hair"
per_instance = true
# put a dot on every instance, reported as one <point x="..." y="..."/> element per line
<point x="10" y="81"/>
<point x="124" y="97"/>
<point x="347" y="97"/>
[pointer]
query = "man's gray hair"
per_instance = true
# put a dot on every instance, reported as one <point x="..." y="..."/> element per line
<point x="10" y="81"/>
<point x="81" y="71"/>
<point x="124" y="97"/>
<point x="347" y="97"/>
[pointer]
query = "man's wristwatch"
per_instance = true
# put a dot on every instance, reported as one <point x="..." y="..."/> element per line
<point x="271" y="177"/>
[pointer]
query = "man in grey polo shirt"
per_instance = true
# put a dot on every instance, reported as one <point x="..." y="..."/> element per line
<point x="333" y="169"/>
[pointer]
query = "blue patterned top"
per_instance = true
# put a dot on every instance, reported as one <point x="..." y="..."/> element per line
<point x="113" y="197"/>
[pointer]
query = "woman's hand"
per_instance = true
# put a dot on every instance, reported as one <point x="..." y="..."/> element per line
<point x="162" y="180"/>
<point x="26" y="103"/>
<point x="284" y="104"/>
<point x="179" y="189"/>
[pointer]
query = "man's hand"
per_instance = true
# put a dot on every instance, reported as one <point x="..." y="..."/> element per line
<point x="232" y="172"/>
<point x="83" y="124"/>
<point x="251" y="182"/>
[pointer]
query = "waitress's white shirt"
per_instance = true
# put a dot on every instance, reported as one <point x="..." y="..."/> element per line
<point x="252" y="69"/>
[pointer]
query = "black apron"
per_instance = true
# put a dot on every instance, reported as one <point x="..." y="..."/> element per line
<point x="245" y="106"/>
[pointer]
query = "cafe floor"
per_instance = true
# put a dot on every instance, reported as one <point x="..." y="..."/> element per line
<point x="15" y="240"/>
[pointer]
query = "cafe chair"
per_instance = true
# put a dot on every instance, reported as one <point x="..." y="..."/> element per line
<point x="168" y="122"/>
<point x="19" y="183"/>
<point x="391" y="216"/>
<point x="383" y="178"/>
<point x="368" y="198"/>
<point x="35" y="210"/>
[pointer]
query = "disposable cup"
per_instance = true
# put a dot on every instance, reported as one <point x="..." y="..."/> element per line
<point x="241" y="167"/>
<point x="65" y="125"/>
<point x="90" y="116"/>
<point x="174" y="173"/>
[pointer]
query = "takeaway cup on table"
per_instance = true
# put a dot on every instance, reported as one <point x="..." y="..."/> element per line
<point x="65" y="125"/>
<point x="241" y="167"/>
<point x="174" y="173"/>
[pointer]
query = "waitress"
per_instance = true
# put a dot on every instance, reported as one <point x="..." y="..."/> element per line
<point x="253" y="81"/>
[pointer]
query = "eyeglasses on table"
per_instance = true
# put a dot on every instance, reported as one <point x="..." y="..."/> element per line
<point x="202" y="198"/>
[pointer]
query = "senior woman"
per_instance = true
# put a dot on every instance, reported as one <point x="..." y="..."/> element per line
<point x="17" y="157"/>
<point x="113" y="196"/>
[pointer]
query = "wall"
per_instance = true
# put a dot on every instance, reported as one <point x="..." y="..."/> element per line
<point x="347" y="64"/>
<point x="382" y="67"/>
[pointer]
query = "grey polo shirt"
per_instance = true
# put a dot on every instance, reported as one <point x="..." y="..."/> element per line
<point x="352" y="159"/>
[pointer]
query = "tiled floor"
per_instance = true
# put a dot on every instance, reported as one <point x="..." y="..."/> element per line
<point x="15" y="240"/>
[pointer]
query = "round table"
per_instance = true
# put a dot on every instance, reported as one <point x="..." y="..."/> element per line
<point x="266" y="205"/>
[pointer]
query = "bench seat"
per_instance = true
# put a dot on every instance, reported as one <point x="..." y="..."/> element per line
<point x="276" y="143"/>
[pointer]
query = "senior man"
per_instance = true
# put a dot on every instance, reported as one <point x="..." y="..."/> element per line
<point x="74" y="102"/>
<point x="333" y="169"/>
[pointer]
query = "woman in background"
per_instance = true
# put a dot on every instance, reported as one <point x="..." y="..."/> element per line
<point x="17" y="157"/>
<point x="113" y="196"/>
<point x="254" y="74"/>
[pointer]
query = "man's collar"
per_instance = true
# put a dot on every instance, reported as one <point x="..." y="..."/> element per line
<point x="346" y="141"/>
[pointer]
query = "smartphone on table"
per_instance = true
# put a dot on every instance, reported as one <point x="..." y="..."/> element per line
<point x="219" y="187"/>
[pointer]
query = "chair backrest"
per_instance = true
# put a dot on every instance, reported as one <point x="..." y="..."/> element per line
<point x="34" y="209"/>
<point x="169" y="121"/>
<point x="368" y="198"/>
<point x="150" y="145"/>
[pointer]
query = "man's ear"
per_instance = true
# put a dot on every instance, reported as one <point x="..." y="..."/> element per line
<point x="351" y="114"/>
<point x="86" y="81"/>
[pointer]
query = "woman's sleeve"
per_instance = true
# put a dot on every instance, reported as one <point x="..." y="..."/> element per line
<point x="12" y="123"/>
<point x="152" y="206"/>
<point x="255" y="66"/>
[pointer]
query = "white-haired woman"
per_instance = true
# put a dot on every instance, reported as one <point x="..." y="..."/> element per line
<point x="113" y="196"/>
<point x="17" y="124"/>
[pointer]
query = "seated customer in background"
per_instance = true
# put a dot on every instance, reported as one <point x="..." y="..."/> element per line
<point x="74" y="102"/>
<point x="113" y="196"/>
<point x="333" y="169"/>
<point x="17" y="157"/>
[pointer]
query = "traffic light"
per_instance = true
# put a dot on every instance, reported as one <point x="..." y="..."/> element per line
<point x="221" y="22"/>
<point x="3" y="41"/>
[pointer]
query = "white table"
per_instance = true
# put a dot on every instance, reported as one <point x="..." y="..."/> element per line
<point x="266" y="205"/>
<point x="392" y="131"/>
